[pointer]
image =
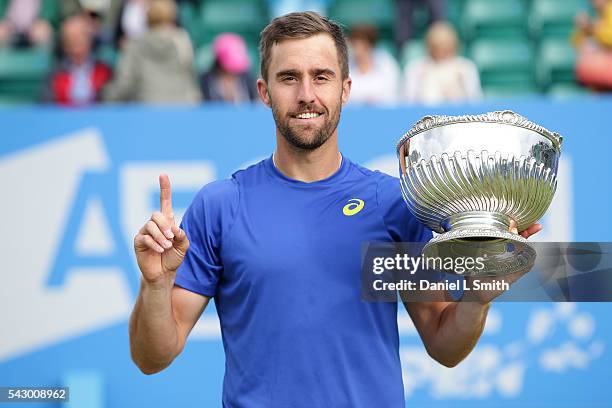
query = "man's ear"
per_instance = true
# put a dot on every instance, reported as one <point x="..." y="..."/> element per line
<point x="346" y="89"/>
<point x="262" y="90"/>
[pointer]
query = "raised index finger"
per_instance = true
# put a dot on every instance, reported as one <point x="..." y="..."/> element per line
<point x="165" y="195"/>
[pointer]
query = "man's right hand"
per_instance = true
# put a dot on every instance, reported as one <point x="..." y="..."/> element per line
<point x="160" y="245"/>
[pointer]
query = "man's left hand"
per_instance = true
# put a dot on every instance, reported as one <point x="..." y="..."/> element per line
<point x="486" y="296"/>
<point x="531" y="230"/>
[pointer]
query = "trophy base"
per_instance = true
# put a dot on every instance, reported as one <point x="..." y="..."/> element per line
<point x="500" y="252"/>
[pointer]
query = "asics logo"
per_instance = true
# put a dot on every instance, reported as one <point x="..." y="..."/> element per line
<point x="353" y="207"/>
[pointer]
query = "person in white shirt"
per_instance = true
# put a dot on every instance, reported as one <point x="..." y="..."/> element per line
<point x="442" y="76"/>
<point x="374" y="71"/>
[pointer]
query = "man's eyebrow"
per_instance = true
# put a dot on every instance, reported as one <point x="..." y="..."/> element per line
<point x="313" y="72"/>
<point x="322" y="71"/>
<point x="288" y="72"/>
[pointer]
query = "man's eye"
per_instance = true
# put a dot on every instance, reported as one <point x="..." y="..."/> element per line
<point x="289" y="79"/>
<point x="321" y="78"/>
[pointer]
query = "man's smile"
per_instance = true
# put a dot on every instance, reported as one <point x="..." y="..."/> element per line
<point x="306" y="116"/>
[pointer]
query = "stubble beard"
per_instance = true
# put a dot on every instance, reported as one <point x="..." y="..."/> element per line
<point x="296" y="139"/>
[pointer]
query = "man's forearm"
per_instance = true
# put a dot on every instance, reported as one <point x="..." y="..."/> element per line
<point x="154" y="339"/>
<point x="459" y="329"/>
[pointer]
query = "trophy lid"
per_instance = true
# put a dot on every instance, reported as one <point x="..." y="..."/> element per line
<point x="507" y="117"/>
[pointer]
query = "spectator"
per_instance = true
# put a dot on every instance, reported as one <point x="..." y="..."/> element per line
<point x="404" y="29"/>
<point x="79" y="78"/>
<point x="442" y="76"/>
<point x="229" y="79"/>
<point x="597" y="33"/>
<point x="593" y="39"/>
<point x="103" y="16"/>
<point x="25" y="24"/>
<point x="156" y="67"/>
<point x="374" y="71"/>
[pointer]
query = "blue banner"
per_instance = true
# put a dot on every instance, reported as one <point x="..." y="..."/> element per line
<point x="78" y="184"/>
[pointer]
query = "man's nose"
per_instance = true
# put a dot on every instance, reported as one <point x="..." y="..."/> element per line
<point x="306" y="93"/>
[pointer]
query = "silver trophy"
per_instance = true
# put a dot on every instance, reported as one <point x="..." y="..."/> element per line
<point x="466" y="177"/>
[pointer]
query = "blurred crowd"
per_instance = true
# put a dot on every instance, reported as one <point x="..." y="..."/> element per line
<point x="145" y="51"/>
<point x="592" y="38"/>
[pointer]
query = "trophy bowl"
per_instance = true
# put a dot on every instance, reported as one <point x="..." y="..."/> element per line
<point x="467" y="177"/>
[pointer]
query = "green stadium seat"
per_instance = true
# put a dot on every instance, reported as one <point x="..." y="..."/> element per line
<point x="566" y="90"/>
<point x="378" y="13"/>
<point x="244" y="17"/>
<point x="50" y="10"/>
<point x="420" y="22"/>
<point x="412" y="50"/>
<point x="23" y="73"/>
<point x="507" y="91"/>
<point x="553" y="18"/>
<point x="188" y="18"/>
<point x="108" y="54"/>
<point x="493" y="19"/>
<point x="16" y="100"/>
<point x="504" y="65"/>
<point x="388" y="46"/>
<point x="25" y="63"/>
<point x="555" y="63"/>
<point x="203" y="58"/>
<point x="454" y="11"/>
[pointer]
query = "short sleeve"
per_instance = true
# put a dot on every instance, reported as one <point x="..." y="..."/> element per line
<point x="206" y="222"/>
<point x="401" y="224"/>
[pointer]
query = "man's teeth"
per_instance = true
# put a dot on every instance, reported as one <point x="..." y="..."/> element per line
<point x="308" y="115"/>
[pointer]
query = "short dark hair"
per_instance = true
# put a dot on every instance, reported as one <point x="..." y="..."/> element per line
<point x="301" y="25"/>
<point x="365" y="32"/>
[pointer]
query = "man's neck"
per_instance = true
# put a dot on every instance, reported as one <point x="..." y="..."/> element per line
<point x="307" y="166"/>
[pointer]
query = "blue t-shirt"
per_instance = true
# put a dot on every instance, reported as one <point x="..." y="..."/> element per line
<point x="282" y="259"/>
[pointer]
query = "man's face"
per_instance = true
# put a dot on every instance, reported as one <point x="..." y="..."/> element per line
<point x="76" y="41"/>
<point x="305" y="90"/>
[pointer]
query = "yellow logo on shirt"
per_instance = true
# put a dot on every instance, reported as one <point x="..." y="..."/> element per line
<point x="353" y="207"/>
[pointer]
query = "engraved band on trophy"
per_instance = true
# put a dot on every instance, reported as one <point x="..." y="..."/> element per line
<point x="466" y="177"/>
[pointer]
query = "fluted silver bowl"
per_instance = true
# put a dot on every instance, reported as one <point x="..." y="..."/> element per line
<point x="466" y="177"/>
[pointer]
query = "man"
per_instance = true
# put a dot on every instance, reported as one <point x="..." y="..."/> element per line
<point x="79" y="77"/>
<point x="278" y="247"/>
